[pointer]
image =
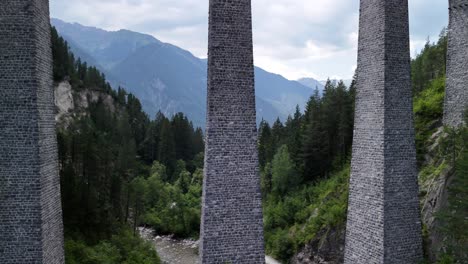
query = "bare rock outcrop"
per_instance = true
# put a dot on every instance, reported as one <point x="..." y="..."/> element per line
<point x="327" y="248"/>
<point x="71" y="103"/>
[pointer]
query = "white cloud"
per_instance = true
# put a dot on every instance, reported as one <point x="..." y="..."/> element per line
<point x="295" y="38"/>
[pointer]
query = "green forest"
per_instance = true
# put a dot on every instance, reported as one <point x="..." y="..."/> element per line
<point x="121" y="169"/>
<point x="305" y="164"/>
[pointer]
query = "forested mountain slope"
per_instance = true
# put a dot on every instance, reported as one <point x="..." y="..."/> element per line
<point x="313" y="231"/>
<point x="119" y="169"/>
<point x="107" y="144"/>
<point x="170" y="79"/>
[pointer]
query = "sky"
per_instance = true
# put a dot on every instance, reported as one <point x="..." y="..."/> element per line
<point x="294" y="38"/>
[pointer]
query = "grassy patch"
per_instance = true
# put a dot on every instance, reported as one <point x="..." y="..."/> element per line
<point x="431" y="172"/>
<point x="123" y="248"/>
<point x="428" y="112"/>
<point x="297" y="218"/>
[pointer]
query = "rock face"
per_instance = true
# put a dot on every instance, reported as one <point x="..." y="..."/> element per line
<point x="31" y="228"/>
<point x="383" y="223"/>
<point x="71" y="103"/>
<point x="63" y="100"/>
<point x="327" y="248"/>
<point x="434" y="188"/>
<point x="456" y="95"/>
<point x="232" y="223"/>
<point x="167" y="78"/>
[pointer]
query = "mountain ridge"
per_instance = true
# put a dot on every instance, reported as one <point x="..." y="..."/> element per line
<point x="168" y="78"/>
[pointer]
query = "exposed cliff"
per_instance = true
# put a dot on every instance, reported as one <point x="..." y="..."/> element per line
<point x="326" y="248"/>
<point x="435" y="178"/>
<point x="71" y="103"/>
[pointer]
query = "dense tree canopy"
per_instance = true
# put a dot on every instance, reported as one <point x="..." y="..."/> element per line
<point x="119" y="168"/>
<point x="318" y="140"/>
<point x="117" y="165"/>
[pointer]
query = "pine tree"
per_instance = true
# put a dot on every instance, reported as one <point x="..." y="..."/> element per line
<point x="344" y="125"/>
<point x="430" y="63"/>
<point x="264" y="144"/>
<point x="293" y="128"/>
<point x="198" y="141"/>
<point x="315" y="146"/>
<point x="183" y="131"/>
<point x="277" y="135"/>
<point x="284" y="175"/>
<point x="166" y="147"/>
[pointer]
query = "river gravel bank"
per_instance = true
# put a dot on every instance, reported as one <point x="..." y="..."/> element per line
<point x="175" y="251"/>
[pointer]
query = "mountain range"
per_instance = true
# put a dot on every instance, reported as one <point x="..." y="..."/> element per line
<point x="312" y="83"/>
<point x="170" y="79"/>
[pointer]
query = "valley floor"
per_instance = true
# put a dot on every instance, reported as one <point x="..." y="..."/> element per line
<point x="173" y="251"/>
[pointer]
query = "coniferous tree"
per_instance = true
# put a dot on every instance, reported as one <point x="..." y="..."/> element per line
<point x="149" y="146"/>
<point x="284" y="175"/>
<point x="198" y="141"/>
<point x="294" y="137"/>
<point x="344" y="121"/>
<point x="166" y="147"/>
<point x="430" y="63"/>
<point x="277" y="135"/>
<point x="264" y="144"/>
<point x="182" y="137"/>
<point x="315" y="149"/>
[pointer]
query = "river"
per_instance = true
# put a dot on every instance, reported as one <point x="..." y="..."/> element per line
<point x="174" y="251"/>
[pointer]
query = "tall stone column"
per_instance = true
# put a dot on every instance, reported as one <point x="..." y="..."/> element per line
<point x="383" y="215"/>
<point x="30" y="207"/>
<point x="232" y="225"/>
<point x="456" y="94"/>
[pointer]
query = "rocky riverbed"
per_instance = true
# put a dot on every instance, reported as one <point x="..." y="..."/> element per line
<point x="175" y="251"/>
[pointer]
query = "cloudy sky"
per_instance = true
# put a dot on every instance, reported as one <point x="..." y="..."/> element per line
<point x="294" y="38"/>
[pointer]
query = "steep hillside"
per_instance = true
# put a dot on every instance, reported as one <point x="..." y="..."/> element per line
<point x="120" y="169"/>
<point x="308" y="226"/>
<point x="165" y="82"/>
<point x="93" y="131"/>
<point x="107" y="48"/>
<point x="167" y="78"/>
<point x="312" y="84"/>
<point x="284" y="95"/>
<point x="443" y="177"/>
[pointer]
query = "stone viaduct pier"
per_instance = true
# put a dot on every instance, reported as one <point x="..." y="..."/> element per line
<point x="232" y="224"/>
<point x="383" y="217"/>
<point x="30" y="207"/>
<point x="456" y="95"/>
<point x="383" y="223"/>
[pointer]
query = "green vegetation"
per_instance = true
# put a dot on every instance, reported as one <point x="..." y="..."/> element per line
<point x="430" y="171"/>
<point x="119" y="169"/>
<point x="453" y="218"/>
<point x="124" y="170"/>
<point x="299" y="217"/>
<point x="123" y="248"/>
<point x="428" y="109"/>
<point x="429" y="64"/>
<point x="450" y="157"/>
<point x="428" y="79"/>
<point x="169" y="208"/>
<point x="318" y="145"/>
<point x="305" y="171"/>
<point x="66" y="66"/>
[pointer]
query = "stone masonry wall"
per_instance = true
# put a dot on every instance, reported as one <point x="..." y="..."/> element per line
<point x="232" y="225"/>
<point x="30" y="207"/>
<point x="383" y="223"/>
<point x="456" y="95"/>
